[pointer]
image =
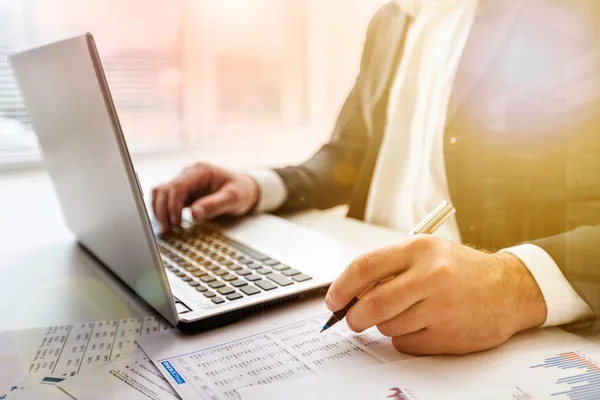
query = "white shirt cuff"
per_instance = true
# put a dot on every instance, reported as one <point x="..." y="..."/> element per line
<point x="273" y="191"/>
<point x="562" y="301"/>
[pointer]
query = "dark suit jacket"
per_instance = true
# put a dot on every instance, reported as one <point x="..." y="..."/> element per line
<point x="522" y="139"/>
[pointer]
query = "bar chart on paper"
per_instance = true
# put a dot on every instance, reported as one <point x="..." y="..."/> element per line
<point x="570" y="373"/>
<point x="576" y="375"/>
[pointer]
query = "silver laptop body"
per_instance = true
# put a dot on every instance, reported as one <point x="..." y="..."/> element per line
<point x="197" y="278"/>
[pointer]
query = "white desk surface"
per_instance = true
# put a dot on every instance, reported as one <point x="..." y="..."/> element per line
<point x="46" y="279"/>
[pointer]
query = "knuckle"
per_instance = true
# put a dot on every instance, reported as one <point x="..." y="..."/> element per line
<point x="352" y="323"/>
<point x="385" y="329"/>
<point x="231" y="194"/>
<point x="175" y="190"/>
<point x="362" y="266"/>
<point x="159" y="190"/>
<point x="421" y="242"/>
<point x="198" y="166"/>
<point x="443" y="270"/>
<point x="210" y="207"/>
<point x="374" y="305"/>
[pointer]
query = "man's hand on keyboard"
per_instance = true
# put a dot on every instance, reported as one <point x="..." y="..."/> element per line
<point x="210" y="192"/>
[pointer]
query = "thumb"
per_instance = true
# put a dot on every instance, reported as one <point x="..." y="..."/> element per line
<point x="215" y="204"/>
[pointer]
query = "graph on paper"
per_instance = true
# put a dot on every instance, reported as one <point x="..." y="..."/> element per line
<point x="577" y="376"/>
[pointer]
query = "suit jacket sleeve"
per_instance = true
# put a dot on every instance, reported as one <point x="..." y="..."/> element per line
<point x="577" y="253"/>
<point x="327" y="179"/>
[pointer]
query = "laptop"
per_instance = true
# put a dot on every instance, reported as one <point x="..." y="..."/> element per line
<point x="198" y="277"/>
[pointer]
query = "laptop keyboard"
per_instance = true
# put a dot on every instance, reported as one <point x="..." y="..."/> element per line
<point x="222" y="269"/>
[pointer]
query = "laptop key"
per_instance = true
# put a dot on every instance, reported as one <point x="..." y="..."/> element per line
<point x="201" y="288"/>
<point x="249" y="290"/>
<point x="264" y="271"/>
<point x="280" y="267"/>
<point x="301" y="277"/>
<point x="234" y="296"/>
<point x="212" y="267"/>
<point x="234" y="267"/>
<point x="254" y="266"/>
<point x="216" y="284"/>
<point x="218" y="300"/>
<point x="226" y="290"/>
<point x="291" y="272"/>
<point x="251" y="252"/>
<point x="207" y="278"/>
<point x="220" y="272"/>
<point x="246" y="261"/>
<point x="227" y="263"/>
<point x="270" y="262"/>
<point x="198" y="273"/>
<point x="186" y="279"/>
<point x="209" y="294"/>
<point x="239" y="283"/>
<point x="252" y="278"/>
<point x="265" y="285"/>
<point x="243" y="272"/>
<point x="280" y="280"/>
<point x="229" y="277"/>
<point x="193" y="284"/>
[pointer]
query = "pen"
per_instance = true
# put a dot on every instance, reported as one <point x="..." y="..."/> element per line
<point x="427" y="226"/>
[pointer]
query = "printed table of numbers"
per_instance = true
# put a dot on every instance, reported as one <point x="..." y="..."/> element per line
<point x="68" y="350"/>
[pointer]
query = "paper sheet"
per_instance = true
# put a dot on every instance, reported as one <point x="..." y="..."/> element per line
<point x="135" y="379"/>
<point x="27" y="387"/>
<point x="63" y="351"/>
<point x="554" y="365"/>
<point x="279" y="346"/>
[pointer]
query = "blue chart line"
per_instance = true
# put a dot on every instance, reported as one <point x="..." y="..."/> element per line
<point x="585" y="384"/>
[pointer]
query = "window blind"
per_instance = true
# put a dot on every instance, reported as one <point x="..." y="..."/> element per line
<point x="142" y="64"/>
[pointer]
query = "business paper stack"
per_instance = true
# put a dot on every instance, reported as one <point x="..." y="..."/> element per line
<point x="106" y="351"/>
<point x="282" y="355"/>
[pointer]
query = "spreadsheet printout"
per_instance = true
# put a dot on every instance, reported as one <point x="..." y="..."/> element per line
<point x="59" y="352"/>
<point x="215" y="365"/>
<point x="553" y="365"/>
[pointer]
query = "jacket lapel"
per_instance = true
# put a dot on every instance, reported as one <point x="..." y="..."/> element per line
<point x="390" y="37"/>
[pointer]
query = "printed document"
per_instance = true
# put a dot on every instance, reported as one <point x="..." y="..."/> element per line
<point x="270" y="348"/>
<point x="27" y="387"/>
<point x="554" y="366"/>
<point x="136" y="379"/>
<point x="64" y="351"/>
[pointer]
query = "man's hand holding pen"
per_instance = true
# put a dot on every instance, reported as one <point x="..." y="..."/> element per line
<point x="444" y="298"/>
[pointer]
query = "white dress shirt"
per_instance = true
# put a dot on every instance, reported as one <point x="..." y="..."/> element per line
<point x="410" y="177"/>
